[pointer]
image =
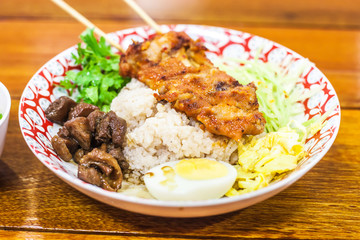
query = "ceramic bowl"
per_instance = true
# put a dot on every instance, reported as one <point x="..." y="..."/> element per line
<point x="5" y="104"/>
<point x="38" y="131"/>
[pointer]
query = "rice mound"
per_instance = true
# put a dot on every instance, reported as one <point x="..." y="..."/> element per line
<point x="157" y="133"/>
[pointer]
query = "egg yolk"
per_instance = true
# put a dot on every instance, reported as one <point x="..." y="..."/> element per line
<point x="200" y="169"/>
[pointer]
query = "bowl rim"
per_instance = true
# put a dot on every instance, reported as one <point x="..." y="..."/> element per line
<point x="284" y="183"/>
<point x="6" y="112"/>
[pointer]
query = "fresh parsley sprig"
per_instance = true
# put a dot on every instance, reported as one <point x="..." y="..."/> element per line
<point x="99" y="81"/>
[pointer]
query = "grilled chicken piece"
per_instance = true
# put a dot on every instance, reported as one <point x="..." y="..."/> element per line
<point x="177" y="67"/>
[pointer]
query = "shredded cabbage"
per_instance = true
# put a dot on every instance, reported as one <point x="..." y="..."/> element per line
<point x="277" y="90"/>
<point x="271" y="155"/>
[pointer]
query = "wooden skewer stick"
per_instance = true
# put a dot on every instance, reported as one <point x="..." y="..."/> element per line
<point x="143" y="15"/>
<point x="67" y="8"/>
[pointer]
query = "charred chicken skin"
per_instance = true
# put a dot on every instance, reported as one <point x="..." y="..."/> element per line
<point x="177" y="68"/>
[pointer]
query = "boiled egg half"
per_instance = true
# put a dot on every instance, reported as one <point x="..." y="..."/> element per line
<point x="190" y="180"/>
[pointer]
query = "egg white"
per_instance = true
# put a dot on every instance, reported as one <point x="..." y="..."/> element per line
<point x="178" y="188"/>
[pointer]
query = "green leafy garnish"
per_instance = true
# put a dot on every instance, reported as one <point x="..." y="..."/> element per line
<point x="1" y="116"/>
<point x="99" y="81"/>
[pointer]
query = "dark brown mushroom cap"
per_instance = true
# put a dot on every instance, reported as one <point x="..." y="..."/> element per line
<point x="79" y="129"/>
<point x="118" y="154"/>
<point x="58" y="110"/>
<point x="100" y="168"/>
<point x="60" y="147"/>
<point x="111" y="127"/>
<point x="78" y="155"/>
<point x="72" y="145"/>
<point x="118" y="128"/>
<point x="95" y="118"/>
<point x="103" y="131"/>
<point x="82" y="110"/>
<point x="63" y="132"/>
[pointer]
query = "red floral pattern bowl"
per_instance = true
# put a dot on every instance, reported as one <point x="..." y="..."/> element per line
<point x="38" y="131"/>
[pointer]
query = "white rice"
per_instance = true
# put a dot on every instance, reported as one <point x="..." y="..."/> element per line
<point x="157" y="133"/>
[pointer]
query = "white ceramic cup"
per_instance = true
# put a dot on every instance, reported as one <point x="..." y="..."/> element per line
<point x="5" y="104"/>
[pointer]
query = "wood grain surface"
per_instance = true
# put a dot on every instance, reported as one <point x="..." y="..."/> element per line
<point x="324" y="204"/>
<point x="306" y="13"/>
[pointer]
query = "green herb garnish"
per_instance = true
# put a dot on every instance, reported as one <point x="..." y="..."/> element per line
<point x="1" y="116"/>
<point x="99" y="81"/>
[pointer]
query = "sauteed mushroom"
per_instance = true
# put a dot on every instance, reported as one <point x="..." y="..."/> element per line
<point x="100" y="136"/>
<point x="82" y="110"/>
<point x="58" y="110"/>
<point x="100" y="168"/>
<point x="80" y="131"/>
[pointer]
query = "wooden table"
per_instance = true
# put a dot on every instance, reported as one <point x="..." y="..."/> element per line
<point x="324" y="204"/>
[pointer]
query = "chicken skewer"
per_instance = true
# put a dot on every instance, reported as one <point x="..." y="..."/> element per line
<point x="177" y="68"/>
<point x="190" y="82"/>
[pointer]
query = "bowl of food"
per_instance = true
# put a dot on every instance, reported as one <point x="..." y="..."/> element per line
<point x="5" y="104"/>
<point x="193" y="122"/>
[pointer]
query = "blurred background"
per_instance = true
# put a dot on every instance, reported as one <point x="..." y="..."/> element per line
<point x="306" y="13"/>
